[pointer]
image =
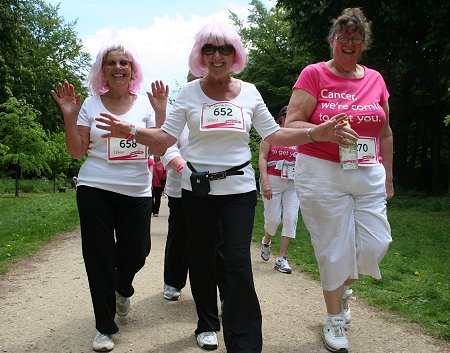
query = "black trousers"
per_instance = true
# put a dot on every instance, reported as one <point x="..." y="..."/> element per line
<point x="115" y="236"/>
<point x="175" y="257"/>
<point x="156" y="199"/>
<point x="241" y="315"/>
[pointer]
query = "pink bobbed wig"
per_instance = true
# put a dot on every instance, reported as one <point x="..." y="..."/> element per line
<point x="97" y="82"/>
<point x="225" y="34"/>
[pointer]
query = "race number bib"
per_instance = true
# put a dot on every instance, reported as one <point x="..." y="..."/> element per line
<point x="288" y="172"/>
<point x="367" y="151"/>
<point x="222" y="116"/>
<point x="123" y="150"/>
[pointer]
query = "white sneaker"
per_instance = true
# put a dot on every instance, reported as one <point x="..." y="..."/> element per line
<point x="282" y="265"/>
<point x="171" y="293"/>
<point x="345" y="308"/>
<point x="334" y="336"/>
<point x="122" y="305"/>
<point x="207" y="340"/>
<point x="102" y="343"/>
<point x="265" y="251"/>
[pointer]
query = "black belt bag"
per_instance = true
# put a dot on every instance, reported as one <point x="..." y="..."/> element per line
<point x="200" y="180"/>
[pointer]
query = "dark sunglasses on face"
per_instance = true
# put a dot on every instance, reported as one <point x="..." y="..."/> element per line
<point x="122" y="63"/>
<point x="210" y="49"/>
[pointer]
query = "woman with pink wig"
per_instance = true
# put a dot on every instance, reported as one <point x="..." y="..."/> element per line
<point x="218" y="181"/>
<point x="114" y="183"/>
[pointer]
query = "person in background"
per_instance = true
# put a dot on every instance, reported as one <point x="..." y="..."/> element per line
<point x="276" y="167"/>
<point x="158" y="184"/>
<point x="150" y="163"/>
<point x="344" y="209"/>
<point x="73" y="183"/>
<point x="114" y="189"/>
<point x="218" y="180"/>
<point x="175" y="256"/>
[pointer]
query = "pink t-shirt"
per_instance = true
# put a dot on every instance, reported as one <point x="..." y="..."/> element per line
<point x="360" y="98"/>
<point x="277" y="153"/>
<point x="159" y="175"/>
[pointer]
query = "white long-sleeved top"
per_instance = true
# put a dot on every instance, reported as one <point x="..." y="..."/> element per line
<point x="173" y="181"/>
<point x="219" y="133"/>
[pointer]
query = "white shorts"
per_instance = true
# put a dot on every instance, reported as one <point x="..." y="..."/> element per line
<point x="284" y="202"/>
<point x="346" y="216"/>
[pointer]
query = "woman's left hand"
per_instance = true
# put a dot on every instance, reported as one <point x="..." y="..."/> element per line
<point x="158" y="96"/>
<point x="116" y="127"/>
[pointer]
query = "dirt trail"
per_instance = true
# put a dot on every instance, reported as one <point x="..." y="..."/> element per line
<point x="45" y="307"/>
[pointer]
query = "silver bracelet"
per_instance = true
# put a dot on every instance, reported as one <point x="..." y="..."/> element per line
<point x="308" y="135"/>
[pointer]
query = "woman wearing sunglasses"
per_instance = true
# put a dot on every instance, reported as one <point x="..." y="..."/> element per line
<point x="218" y="180"/>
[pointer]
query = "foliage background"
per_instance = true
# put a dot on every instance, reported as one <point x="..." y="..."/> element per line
<point x="411" y="49"/>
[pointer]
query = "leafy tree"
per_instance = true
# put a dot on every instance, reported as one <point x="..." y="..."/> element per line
<point x="25" y="140"/>
<point x="411" y="49"/>
<point x="60" y="159"/>
<point x="39" y="49"/>
<point x="274" y="58"/>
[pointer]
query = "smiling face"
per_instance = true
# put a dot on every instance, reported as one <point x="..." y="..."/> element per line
<point x="218" y="57"/>
<point x="344" y="49"/>
<point x="117" y="68"/>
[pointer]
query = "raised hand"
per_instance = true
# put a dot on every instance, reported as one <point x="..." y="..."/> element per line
<point x="68" y="102"/>
<point x="158" y="96"/>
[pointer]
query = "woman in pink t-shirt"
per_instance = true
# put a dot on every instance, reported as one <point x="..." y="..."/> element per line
<point x="281" y="204"/>
<point x="344" y="209"/>
<point x="158" y="184"/>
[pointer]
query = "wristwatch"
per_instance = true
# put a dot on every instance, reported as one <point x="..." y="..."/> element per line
<point x="133" y="132"/>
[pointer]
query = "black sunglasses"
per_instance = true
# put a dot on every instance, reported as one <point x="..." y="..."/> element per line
<point x="210" y="49"/>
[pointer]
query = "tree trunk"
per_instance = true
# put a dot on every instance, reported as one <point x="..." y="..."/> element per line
<point x="18" y="170"/>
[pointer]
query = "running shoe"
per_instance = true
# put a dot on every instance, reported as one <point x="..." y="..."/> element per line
<point x="333" y="334"/>
<point x="207" y="340"/>
<point x="265" y="251"/>
<point x="282" y="265"/>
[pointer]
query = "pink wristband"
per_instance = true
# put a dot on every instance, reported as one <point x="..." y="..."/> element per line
<point x="180" y="168"/>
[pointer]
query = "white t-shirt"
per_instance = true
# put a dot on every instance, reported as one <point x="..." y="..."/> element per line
<point x="128" y="178"/>
<point x="219" y="133"/>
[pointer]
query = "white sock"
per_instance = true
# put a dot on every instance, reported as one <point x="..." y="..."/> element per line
<point x="346" y="288"/>
<point x="330" y="316"/>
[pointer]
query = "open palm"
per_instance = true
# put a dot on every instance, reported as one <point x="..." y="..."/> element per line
<point x="68" y="102"/>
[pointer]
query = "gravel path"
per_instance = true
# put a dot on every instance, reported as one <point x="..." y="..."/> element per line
<point x="45" y="307"/>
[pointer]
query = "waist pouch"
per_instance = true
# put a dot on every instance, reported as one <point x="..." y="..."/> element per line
<point x="200" y="180"/>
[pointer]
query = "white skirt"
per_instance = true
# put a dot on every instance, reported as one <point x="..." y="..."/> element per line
<point x="346" y="216"/>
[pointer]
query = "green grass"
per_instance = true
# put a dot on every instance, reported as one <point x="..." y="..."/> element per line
<point x="31" y="220"/>
<point x="415" y="270"/>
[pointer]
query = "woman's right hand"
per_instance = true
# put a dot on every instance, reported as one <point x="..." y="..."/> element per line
<point x="267" y="190"/>
<point x="335" y="130"/>
<point x="68" y="102"/>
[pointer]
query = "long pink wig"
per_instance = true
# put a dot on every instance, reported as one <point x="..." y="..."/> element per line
<point x="225" y="34"/>
<point x="97" y="81"/>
